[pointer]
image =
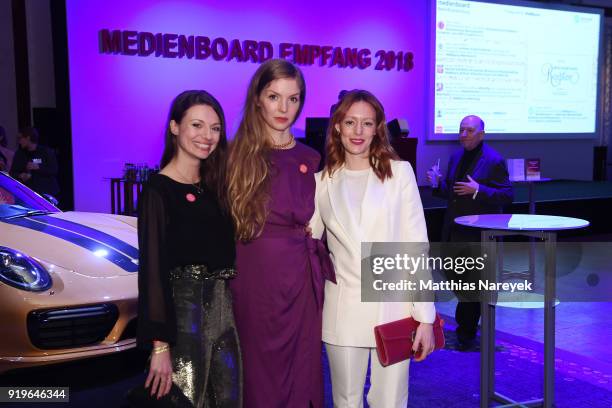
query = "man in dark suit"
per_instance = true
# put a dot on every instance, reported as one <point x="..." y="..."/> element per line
<point x="35" y="165"/>
<point x="476" y="182"/>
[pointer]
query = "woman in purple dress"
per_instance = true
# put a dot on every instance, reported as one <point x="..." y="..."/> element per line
<point x="278" y="290"/>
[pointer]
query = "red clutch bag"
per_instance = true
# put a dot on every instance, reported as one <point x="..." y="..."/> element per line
<point x="394" y="339"/>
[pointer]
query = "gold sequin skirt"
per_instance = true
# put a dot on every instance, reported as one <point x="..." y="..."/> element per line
<point x="207" y="364"/>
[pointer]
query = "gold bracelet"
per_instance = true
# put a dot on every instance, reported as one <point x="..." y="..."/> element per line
<point x="160" y="349"/>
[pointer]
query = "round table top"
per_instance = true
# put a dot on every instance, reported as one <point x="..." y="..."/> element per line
<point x="521" y="222"/>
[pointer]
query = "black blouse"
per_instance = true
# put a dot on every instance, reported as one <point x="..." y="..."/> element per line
<point x="177" y="226"/>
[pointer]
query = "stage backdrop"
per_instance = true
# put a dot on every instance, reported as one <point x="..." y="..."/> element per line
<point x="128" y="60"/>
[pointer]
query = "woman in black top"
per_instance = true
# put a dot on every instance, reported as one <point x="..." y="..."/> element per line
<point x="187" y="255"/>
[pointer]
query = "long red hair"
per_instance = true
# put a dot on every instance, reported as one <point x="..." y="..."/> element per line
<point x="381" y="152"/>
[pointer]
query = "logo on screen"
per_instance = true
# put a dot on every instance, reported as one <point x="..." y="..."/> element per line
<point x="557" y="75"/>
<point x="441" y="25"/>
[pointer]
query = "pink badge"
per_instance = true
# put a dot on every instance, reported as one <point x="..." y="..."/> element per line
<point x="303" y="168"/>
<point x="190" y="197"/>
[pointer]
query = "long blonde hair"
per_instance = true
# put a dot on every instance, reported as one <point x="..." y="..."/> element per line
<point x="249" y="167"/>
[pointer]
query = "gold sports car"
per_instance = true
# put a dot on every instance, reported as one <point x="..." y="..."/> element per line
<point x="68" y="281"/>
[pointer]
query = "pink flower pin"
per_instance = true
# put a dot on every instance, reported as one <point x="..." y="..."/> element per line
<point x="190" y="197"/>
<point x="303" y="168"/>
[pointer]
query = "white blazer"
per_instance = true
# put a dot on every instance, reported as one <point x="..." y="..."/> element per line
<point x="390" y="212"/>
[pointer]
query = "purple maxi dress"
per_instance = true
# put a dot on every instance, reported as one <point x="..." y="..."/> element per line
<point x="278" y="291"/>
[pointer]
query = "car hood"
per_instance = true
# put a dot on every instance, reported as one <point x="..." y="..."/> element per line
<point x="91" y="244"/>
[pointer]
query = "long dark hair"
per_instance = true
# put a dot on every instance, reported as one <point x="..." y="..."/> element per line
<point x="212" y="169"/>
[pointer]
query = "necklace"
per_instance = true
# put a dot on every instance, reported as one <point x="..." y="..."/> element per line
<point x="284" y="146"/>
<point x="197" y="185"/>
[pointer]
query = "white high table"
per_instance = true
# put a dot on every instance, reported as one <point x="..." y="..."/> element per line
<point x="529" y="274"/>
<point x="543" y="227"/>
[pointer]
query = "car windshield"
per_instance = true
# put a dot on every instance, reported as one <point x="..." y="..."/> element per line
<point x="18" y="200"/>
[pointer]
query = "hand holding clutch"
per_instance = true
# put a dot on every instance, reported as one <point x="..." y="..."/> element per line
<point x="395" y="340"/>
<point x="423" y="343"/>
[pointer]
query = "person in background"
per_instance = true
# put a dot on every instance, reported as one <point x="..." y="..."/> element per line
<point x="335" y="105"/>
<point x="6" y="154"/>
<point x="35" y="165"/>
<point x="187" y="254"/>
<point x="476" y="182"/>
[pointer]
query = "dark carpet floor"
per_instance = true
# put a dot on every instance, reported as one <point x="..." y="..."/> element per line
<point x="448" y="378"/>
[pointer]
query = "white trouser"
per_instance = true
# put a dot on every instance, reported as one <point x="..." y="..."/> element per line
<point x="349" y="365"/>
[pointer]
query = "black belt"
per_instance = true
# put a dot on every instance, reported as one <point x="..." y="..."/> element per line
<point x="201" y="272"/>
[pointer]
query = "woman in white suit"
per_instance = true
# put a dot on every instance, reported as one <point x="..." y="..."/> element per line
<point x="365" y="194"/>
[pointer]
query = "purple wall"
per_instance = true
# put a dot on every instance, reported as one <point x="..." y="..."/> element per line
<point x="120" y="103"/>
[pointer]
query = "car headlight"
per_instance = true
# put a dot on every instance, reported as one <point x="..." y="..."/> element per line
<point x="22" y="272"/>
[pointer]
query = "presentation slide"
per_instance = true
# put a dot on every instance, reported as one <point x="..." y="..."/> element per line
<point x="524" y="70"/>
